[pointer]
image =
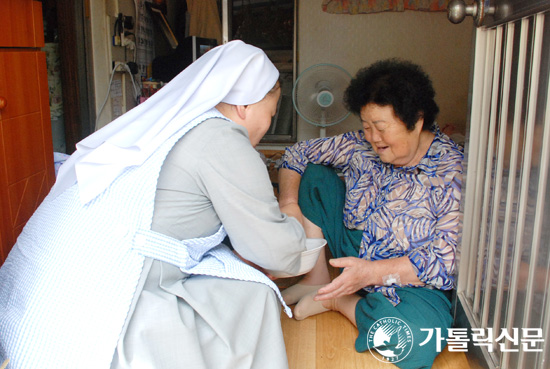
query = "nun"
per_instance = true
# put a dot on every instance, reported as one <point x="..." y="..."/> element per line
<point x="123" y="265"/>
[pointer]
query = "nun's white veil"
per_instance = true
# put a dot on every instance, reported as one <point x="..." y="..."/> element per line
<point x="234" y="73"/>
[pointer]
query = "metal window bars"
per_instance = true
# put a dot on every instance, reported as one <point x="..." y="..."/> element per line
<point x="504" y="271"/>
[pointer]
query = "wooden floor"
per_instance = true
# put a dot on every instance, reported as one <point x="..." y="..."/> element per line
<point x="326" y="341"/>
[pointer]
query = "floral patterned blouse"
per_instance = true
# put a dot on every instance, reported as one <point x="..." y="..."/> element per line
<point x="412" y="211"/>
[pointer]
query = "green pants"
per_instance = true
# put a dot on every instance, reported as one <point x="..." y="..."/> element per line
<point x="321" y="199"/>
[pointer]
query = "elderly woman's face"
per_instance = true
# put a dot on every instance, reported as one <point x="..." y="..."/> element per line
<point x="389" y="136"/>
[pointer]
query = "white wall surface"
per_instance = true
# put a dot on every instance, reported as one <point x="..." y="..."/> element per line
<point x="355" y="41"/>
<point x="101" y="56"/>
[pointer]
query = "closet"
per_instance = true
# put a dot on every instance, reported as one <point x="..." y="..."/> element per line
<point x="26" y="151"/>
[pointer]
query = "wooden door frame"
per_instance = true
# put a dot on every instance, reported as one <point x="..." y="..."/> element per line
<point x="74" y="37"/>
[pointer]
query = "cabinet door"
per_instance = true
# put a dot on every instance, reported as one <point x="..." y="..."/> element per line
<point x="21" y="23"/>
<point x="26" y="151"/>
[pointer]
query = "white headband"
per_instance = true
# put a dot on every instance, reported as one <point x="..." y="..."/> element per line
<point x="234" y="73"/>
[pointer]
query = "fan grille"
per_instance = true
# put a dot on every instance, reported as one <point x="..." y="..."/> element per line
<point x="315" y="82"/>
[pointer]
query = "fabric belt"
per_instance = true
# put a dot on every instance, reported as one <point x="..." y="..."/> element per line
<point x="185" y="254"/>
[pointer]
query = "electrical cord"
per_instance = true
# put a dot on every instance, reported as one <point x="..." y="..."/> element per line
<point x="136" y="90"/>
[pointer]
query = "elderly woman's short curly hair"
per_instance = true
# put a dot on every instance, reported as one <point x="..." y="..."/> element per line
<point x="397" y="83"/>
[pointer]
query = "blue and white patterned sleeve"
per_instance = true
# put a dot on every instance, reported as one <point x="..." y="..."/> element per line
<point x="435" y="262"/>
<point x="334" y="151"/>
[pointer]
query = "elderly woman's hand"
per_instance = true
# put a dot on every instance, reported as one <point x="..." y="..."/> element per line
<point x="355" y="275"/>
<point x="358" y="273"/>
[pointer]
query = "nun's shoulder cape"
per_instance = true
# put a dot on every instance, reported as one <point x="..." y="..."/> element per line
<point x="67" y="286"/>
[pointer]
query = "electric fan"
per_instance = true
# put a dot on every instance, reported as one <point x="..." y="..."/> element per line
<point x="318" y="95"/>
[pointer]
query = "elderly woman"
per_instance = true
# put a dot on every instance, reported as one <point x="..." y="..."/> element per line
<point x="393" y="223"/>
<point x="122" y="265"/>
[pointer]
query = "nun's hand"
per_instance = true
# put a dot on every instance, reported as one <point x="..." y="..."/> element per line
<point x="255" y="266"/>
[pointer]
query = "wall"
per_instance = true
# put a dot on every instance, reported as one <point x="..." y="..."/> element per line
<point x="100" y="32"/>
<point x="103" y="15"/>
<point x="354" y="41"/>
<point x="351" y="41"/>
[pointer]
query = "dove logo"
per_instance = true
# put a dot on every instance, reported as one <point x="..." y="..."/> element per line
<point x="391" y="338"/>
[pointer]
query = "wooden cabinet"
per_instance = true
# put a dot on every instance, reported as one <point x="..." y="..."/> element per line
<point x="21" y="23"/>
<point x="26" y="151"/>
